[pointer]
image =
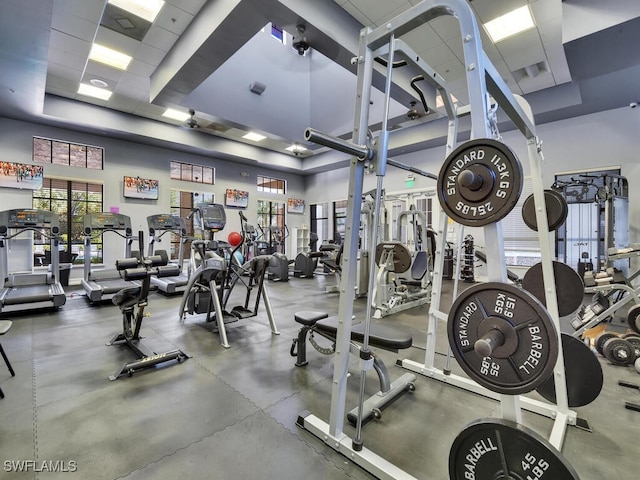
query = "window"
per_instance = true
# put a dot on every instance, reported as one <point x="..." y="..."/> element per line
<point x="271" y="221"/>
<point x="70" y="200"/>
<point x="271" y="185"/>
<point x="182" y="203"/>
<point x="320" y="220"/>
<point x="339" y="220"/>
<point x="277" y="33"/>
<point x="58" y="152"/>
<point x="521" y="244"/>
<point x="192" y="173"/>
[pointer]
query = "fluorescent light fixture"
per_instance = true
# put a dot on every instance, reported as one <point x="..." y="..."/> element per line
<point x="176" y="114"/>
<point x="108" y="56"/>
<point x="296" y="148"/>
<point x="146" y="9"/>
<point x="256" y="137"/>
<point x="509" y="24"/>
<point x="96" y="92"/>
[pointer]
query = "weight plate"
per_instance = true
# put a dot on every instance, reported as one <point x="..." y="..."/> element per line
<point x="619" y="352"/>
<point x="557" y="210"/>
<point x="637" y="365"/>
<point x="569" y="287"/>
<point x="497" y="449"/>
<point x="480" y="182"/>
<point x="601" y="339"/>
<point x="634" y="340"/>
<point x="583" y="374"/>
<point x="633" y="318"/>
<point x="502" y="337"/>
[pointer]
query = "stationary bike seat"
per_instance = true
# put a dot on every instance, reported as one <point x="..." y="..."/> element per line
<point x="127" y="297"/>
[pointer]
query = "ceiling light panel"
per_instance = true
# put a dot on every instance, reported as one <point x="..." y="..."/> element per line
<point x="95" y="92"/>
<point x="510" y="24"/>
<point x="108" y="56"/>
<point x="256" y="137"/>
<point x="176" y="114"/>
<point x="146" y="9"/>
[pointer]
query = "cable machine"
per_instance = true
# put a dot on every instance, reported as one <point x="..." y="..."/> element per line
<point x="371" y="154"/>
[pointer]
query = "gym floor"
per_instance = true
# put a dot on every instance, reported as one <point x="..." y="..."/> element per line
<point x="231" y="413"/>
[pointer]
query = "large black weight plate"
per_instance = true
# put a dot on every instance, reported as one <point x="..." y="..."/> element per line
<point x="601" y="339"/>
<point x="497" y="449"/>
<point x="516" y="327"/>
<point x="634" y="340"/>
<point x="633" y="318"/>
<point x="557" y="210"/>
<point x="583" y="374"/>
<point x="619" y="352"/>
<point x="569" y="286"/>
<point x="480" y="182"/>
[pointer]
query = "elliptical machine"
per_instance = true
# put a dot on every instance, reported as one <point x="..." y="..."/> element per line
<point x="132" y="302"/>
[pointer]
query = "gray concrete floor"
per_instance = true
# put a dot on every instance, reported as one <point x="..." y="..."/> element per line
<point x="231" y="413"/>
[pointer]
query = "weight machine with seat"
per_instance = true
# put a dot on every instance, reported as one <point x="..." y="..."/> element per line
<point x="132" y="302"/>
<point x="27" y="290"/>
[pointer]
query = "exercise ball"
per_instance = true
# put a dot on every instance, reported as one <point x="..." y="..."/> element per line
<point x="234" y="239"/>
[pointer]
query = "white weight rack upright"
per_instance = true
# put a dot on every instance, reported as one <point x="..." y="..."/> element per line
<point x="485" y="86"/>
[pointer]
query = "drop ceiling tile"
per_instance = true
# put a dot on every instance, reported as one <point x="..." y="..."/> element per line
<point x="140" y="68"/>
<point x="522" y="50"/>
<point x="189" y="6"/>
<point x="64" y="71"/>
<point x="446" y="27"/>
<point x="73" y="25"/>
<point x="129" y="80"/>
<point x="422" y="38"/>
<point x="357" y="14"/>
<point x="451" y="70"/>
<point x="56" y="83"/>
<point x="88" y="9"/>
<point x="160" y="38"/>
<point x="173" y="19"/>
<point x="438" y="55"/>
<point x="377" y="11"/>
<point x="103" y="72"/>
<point x="340" y="2"/>
<point x="537" y="83"/>
<point x="385" y="18"/>
<point x="487" y="10"/>
<point x="149" y="54"/>
<point x="67" y="58"/>
<point x="117" y="41"/>
<point x="68" y="43"/>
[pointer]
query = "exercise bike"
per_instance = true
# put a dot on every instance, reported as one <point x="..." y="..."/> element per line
<point x="132" y="302"/>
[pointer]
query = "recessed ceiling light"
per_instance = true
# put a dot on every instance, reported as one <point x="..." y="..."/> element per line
<point x="256" y="137"/>
<point x="108" y="56"/>
<point x="147" y="9"/>
<point x="296" y="148"/>
<point x="91" y="91"/>
<point x="96" y="82"/>
<point x="176" y="114"/>
<point x="509" y="24"/>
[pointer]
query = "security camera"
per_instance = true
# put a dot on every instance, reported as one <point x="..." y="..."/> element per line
<point x="633" y="104"/>
<point x="300" y="42"/>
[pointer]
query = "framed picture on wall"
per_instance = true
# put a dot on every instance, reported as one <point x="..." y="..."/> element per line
<point x="136" y="187"/>
<point x="236" y="198"/>
<point x="18" y="175"/>
<point x="295" y="205"/>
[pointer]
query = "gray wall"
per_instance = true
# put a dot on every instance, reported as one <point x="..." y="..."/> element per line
<point x="603" y="139"/>
<point x="134" y="159"/>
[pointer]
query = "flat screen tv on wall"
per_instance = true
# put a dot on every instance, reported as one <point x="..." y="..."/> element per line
<point x="136" y="187"/>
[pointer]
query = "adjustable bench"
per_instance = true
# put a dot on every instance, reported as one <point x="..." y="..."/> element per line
<point x="380" y="336"/>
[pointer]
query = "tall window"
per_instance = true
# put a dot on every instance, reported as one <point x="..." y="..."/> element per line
<point x="71" y="200"/>
<point x="320" y="221"/>
<point x="271" y="185"/>
<point x="271" y="220"/>
<point x="58" y="152"/>
<point x="339" y="220"/>
<point x="182" y="203"/>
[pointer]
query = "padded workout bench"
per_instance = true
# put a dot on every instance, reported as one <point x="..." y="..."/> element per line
<point x="380" y="336"/>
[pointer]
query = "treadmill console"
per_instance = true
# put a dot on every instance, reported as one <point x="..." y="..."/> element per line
<point x="29" y="217"/>
<point x="213" y="216"/>
<point x="165" y="222"/>
<point x="106" y="221"/>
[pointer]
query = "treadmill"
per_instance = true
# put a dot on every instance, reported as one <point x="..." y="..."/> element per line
<point x="159" y="225"/>
<point x="101" y="285"/>
<point x="28" y="290"/>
